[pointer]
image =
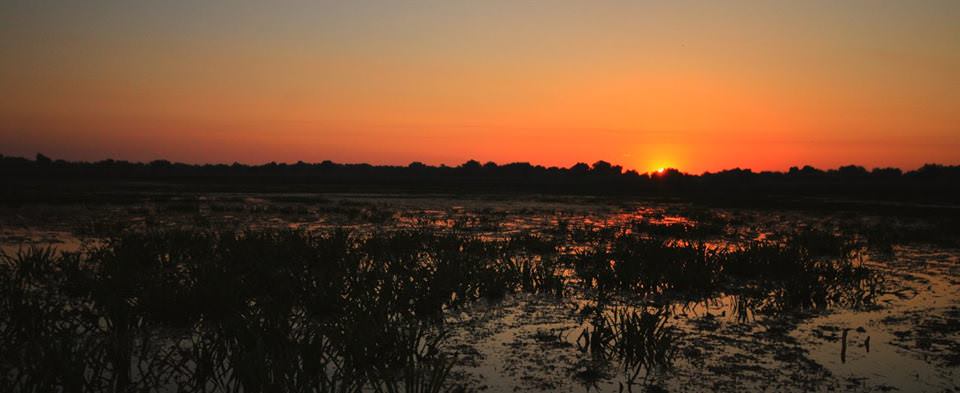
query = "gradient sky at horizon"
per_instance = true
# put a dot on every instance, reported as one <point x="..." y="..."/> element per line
<point x="701" y="86"/>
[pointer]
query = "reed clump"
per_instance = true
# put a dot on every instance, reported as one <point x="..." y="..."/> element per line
<point x="806" y="270"/>
<point x="254" y="311"/>
<point x="348" y="310"/>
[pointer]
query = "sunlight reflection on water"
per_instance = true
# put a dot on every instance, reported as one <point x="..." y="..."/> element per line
<point x="531" y="341"/>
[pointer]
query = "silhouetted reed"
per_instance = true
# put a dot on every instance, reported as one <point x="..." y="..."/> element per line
<point x="271" y="310"/>
<point x="637" y="337"/>
<point x="885" y="233"/>
<point x="807" y="270"/>
<point x="794" y="279"/>
<point x="345" y="311"/>
<point x="255" y="311"/>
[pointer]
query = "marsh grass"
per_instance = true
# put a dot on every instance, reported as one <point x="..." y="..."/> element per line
<point x="639" y="338"/>
<point x="344" y="311"/>
<point x="254" y="311"/>
<point x="808" y="270"/>
<point x="881" y="235"/>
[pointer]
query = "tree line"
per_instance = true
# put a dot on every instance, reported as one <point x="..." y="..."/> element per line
<point x="931" y="181"/>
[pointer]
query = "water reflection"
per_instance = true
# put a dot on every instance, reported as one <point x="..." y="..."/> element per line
<point x="376" y="301"/>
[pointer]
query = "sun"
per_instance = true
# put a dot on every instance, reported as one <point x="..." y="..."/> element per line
<point x="660" y="170"/>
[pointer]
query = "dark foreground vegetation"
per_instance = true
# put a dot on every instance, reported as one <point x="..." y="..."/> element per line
<point x="198" y="310"/>
<point x="61" y="181"/>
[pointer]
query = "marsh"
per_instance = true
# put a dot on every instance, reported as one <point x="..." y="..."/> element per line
<point x="354" y="292"/>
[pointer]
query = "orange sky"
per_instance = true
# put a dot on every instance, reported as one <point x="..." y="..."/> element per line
<point x="763" y="85"/>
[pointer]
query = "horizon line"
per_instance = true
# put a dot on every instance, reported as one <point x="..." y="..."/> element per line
<point x="623" y="169"/>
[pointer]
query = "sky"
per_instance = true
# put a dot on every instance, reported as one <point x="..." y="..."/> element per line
<point x="700" y="86"/>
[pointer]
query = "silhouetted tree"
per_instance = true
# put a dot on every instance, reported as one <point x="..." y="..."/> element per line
<point x="579" y="168"/>
<point x="43" y="160"/>
<point x="886" y="172"/>
<point x="931" y="181"/>
<point x="471" y="166"/>
<point x="852" y="171"/>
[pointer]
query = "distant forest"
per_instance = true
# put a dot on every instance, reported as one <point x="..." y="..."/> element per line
<point x="26" y="178"/>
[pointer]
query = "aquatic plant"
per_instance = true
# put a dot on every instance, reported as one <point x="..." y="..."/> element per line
<point x="637" y="337"/>
<point x="345" y="310"/>
<point x="810" y="269"/>
<point x="257" y="311"/>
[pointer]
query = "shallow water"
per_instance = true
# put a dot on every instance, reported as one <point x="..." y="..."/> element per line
<point x="530" y="342"/>
<point x="889" y="361"/>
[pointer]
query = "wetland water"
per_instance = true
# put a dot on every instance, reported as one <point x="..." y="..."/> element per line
<point x="484" y="294"/>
